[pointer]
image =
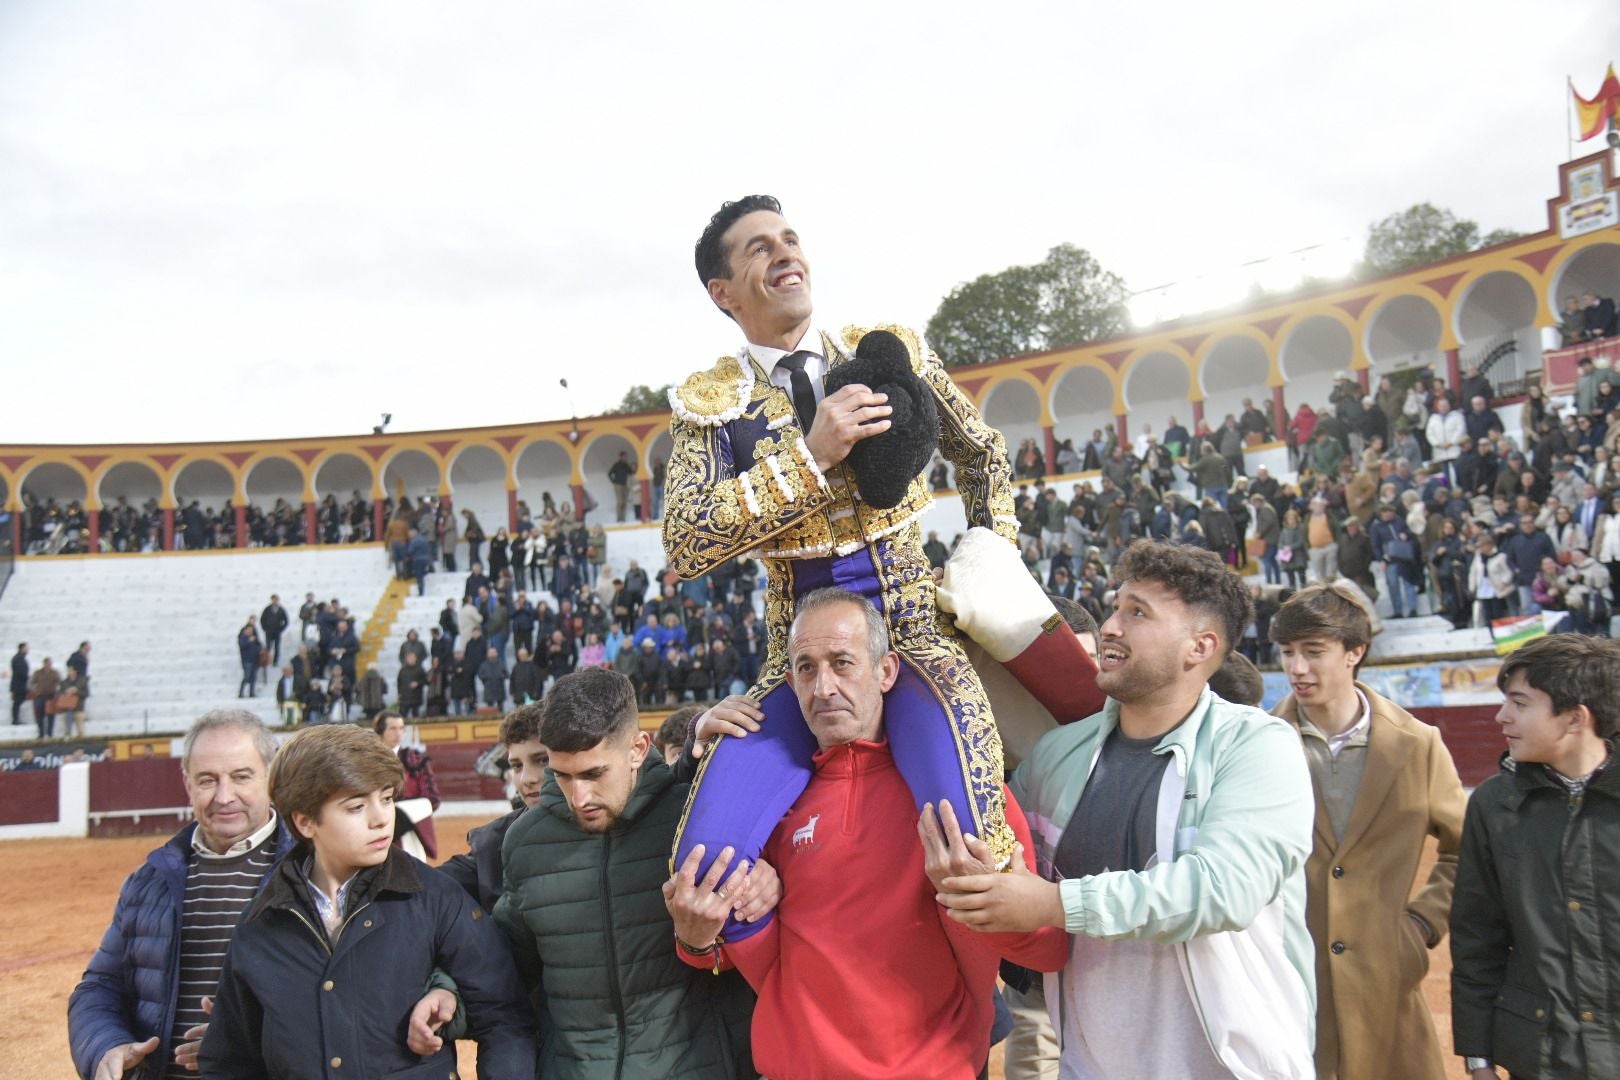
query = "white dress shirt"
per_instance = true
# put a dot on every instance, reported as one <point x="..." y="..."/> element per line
<point x="770" y="359"/>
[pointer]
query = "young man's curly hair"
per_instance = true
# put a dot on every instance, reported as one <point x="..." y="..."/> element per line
<point x="1198" y="577"/>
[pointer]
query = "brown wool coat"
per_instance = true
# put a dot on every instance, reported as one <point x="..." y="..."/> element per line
<point x="1372" y="1022"/>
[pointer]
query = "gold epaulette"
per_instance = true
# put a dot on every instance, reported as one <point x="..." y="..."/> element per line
<point x="714" y="397"/>
<point x="913" y="341"/>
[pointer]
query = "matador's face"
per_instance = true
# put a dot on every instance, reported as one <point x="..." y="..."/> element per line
<point x="769" y="287"/>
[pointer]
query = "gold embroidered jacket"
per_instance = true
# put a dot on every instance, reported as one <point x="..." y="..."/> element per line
<point x="741" y="477"/>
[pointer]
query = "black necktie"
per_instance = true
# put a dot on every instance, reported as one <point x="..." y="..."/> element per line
<point x="804" y="395"/>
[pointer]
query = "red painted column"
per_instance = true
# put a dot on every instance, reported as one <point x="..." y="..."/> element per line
<point x="511" y="512"/>
<point x="93" y="519"/>
<point x="1364" y="377"/>
<point x="377" y="524"/>
<point x="1120" y="431"/>
<point x="1454" y="369"/>
<point x="241" y="526"/>
<point x="310" y="536"/>
<point x="579" y="501"/>
<point x="646" y="500"/>
<point x="1198" y="415"/>
<point x="1049" y="446"/>
<point x="168" y="529"/>
<point x="1279" y="412"/>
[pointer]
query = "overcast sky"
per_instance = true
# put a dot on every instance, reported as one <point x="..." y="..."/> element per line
<point x="247" y="220"/>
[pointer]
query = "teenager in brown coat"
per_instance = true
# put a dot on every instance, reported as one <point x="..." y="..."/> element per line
<point x="1384" y="784"/>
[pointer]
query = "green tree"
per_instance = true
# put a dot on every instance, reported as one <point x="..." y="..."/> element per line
<point x="1065" y="299"/>
<point x="643" y="399"/>
<point x="1421" y="234"/>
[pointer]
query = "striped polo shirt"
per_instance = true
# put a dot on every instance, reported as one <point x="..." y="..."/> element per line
<point x="219" y="887"/>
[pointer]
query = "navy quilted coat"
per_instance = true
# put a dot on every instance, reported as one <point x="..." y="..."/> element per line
<point x="129" y="992"/>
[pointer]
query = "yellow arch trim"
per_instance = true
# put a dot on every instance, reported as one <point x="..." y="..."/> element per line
<point x="420" y="446"/>
<point x="508" y="461"/>
<point x="331" y="452"/>
<point x="51" y="457"/>
<point x="1386" y="297"/>
<point x="1555" y="268"/>
<point x="1023" y="376"/>
<point x="1243" y="330"/>
<point x="1169" y="348"/>
<point x="112" y="463"/>
<point x="1471" y="278"/>
<point x="1115" y="383"/>
<point x="285" y="454"/>
<point x="1285" y="333"/>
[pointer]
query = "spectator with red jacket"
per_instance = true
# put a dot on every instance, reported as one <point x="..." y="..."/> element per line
<point x="846" y="846"/>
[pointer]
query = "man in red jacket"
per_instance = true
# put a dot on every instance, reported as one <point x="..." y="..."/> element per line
<point x="860" y="974"/>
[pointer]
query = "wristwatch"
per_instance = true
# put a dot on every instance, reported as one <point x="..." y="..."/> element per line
<point x="1478" y="1063"/>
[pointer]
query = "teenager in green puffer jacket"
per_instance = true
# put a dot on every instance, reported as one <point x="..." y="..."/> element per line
<point x="584" y="906"/>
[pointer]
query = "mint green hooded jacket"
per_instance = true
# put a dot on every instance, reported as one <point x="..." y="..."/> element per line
<point x="1235" y="813"/>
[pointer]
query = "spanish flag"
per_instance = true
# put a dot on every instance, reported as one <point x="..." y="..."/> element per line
<point x="1594" y="114"/>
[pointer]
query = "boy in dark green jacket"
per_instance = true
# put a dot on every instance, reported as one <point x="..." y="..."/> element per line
<point x="1535" y="979"/>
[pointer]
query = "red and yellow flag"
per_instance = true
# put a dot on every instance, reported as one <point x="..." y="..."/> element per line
<point x="1593" y="114"/>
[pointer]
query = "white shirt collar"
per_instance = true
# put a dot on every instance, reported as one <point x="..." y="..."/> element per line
<point x="768" y="357"/>
<point x="241" y="847"/>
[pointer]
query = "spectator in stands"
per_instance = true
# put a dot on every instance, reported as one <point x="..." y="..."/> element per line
<point x="1356" y="555"/>
<point x="1572" y="322"/>
<point x="141" y="998"/>
<point x="1292" y="549"/>
<point x="462" y="689"/>
<point x="648" y="668"/>
<point x="1524" y="551"/>
<point x="315" y="702"/>
<point x="420" y="782"/>
<point x="492" y="677"/>
<point x="1254" y="423"/>
<point x="473" y="533"/>
<point x="19" y="681"/>
<point x="593" y="653"/>
<point x="273" y="622"/>
<point x="345" y="649"/>
<point x="419" y="556"/>
<point x="289" y="697"/>
<point x="526" y="680"/>
<point x="1322" y="536"/>
<point x="1600" y="316"/>
<point x="619" y="474"/>
<point x="1394" y="545"/>
<point x="397" y="536"/>
<point x="411" y="685"/>
<point x="1491" y="582"/>
<point x="250" y="648"/>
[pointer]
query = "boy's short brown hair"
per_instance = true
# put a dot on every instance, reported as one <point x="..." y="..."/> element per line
<point x="1239" y="681"/>
<point x="1325" y="611"/>
<point x="1571" y="669"/>
<point x="522" y="724"/>
<point x="332" y="760"/>
<point x="672" y="732"/>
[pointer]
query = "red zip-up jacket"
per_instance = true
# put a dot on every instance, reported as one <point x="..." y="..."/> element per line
<point x="861" y="974"/>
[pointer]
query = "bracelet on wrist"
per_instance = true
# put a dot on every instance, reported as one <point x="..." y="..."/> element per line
<point x="696" y="950"/>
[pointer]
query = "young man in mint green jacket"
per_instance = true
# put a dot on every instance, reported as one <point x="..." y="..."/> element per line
<point x="1173" y="829"/>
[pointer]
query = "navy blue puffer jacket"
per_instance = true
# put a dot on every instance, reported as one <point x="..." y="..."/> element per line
<point x="130" y="991"/>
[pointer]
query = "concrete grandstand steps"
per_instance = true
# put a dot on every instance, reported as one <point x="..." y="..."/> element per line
<point x="163" y="627"/>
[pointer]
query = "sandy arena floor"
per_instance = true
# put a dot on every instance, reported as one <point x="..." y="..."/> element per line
<point x="58" y="895"/>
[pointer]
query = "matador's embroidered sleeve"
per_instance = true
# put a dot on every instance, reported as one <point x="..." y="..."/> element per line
<point x="713" y="512"/>
<point x="979" y="452"/>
